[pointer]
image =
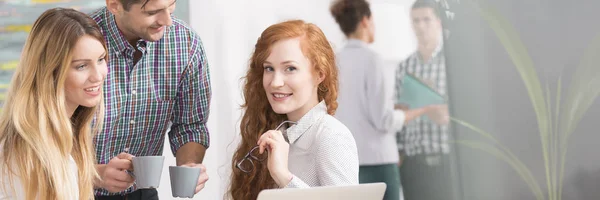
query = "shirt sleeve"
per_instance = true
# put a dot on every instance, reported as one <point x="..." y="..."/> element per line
<point x="191" y="108"/>
<point x="380" y="100"/>
<point x="296" y="183"/>
<point x="336" y="158"/>
<point x="398" y="81"/>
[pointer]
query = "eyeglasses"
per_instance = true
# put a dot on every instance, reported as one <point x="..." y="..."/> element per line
<point x="246" y="165"/>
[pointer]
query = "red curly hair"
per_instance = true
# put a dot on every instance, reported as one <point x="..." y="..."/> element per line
<point x="259" y="116"/>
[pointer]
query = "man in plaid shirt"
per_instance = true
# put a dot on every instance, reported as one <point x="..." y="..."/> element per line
<point x="158" y="83"/>
<point x="423" y="142"/>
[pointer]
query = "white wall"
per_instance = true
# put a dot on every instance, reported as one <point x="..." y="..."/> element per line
<point x="229" y="29"/>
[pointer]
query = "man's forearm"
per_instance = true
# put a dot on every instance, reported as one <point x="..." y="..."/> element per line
<point x="414" y="113"/>
<point x="190" y="152"/>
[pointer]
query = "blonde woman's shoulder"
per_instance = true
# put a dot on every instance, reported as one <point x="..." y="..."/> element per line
<point x="10" y="187"/>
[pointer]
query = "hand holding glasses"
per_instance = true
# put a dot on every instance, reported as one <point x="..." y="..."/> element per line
<point x="246" y="165"/>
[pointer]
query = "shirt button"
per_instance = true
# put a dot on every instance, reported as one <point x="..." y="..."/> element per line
<point x="132" y="122"/>
<point x="133" y="92"/>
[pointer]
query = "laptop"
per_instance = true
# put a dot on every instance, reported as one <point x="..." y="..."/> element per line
<point x="369" y="191"/>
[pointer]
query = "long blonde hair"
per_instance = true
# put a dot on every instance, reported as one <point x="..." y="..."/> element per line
<point x="259" y="116"/>
<point x="38" y="136"/>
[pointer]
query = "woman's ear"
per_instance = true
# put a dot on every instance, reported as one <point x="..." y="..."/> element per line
<point x="365" y="22"/>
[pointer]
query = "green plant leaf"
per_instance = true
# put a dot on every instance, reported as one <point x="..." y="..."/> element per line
<point x="582" y="93"/>
<point x="510" y="40"/>
<point x="553" y="148"/>
<point x="523" y="172"/>
<point x="511" y="156"/>
<point x="556" y="148"/>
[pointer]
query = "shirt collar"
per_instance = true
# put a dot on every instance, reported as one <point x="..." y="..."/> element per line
<point x="436" y="52"/>
<point x="356" y="43"/>
<point x="120" y="43"/>
<point x="309" y="119"/>
<point x="438" y="49"/>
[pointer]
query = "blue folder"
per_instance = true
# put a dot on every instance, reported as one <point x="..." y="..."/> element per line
<point x="416" y="94"/>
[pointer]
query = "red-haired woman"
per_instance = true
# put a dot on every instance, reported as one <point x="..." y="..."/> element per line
<point x="289" y="136"/>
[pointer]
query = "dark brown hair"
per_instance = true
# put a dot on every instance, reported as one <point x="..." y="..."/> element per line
<point x="349" y="13"/>
<point x="427" y="4"/>
<point x="128" y="3"/>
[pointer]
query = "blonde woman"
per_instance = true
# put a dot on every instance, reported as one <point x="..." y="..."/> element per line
<point x="46" y="139"/>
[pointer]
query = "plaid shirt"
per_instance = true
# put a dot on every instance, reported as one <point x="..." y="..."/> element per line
<point x="422" y="136"/>
<point x="168" y="90"/>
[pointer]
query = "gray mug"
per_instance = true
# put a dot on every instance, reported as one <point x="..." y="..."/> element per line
<point x="183" y="181"/>
<point x="147" y="171"/>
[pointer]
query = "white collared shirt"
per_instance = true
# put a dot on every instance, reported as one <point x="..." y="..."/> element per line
<point x="322" y="151"/>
